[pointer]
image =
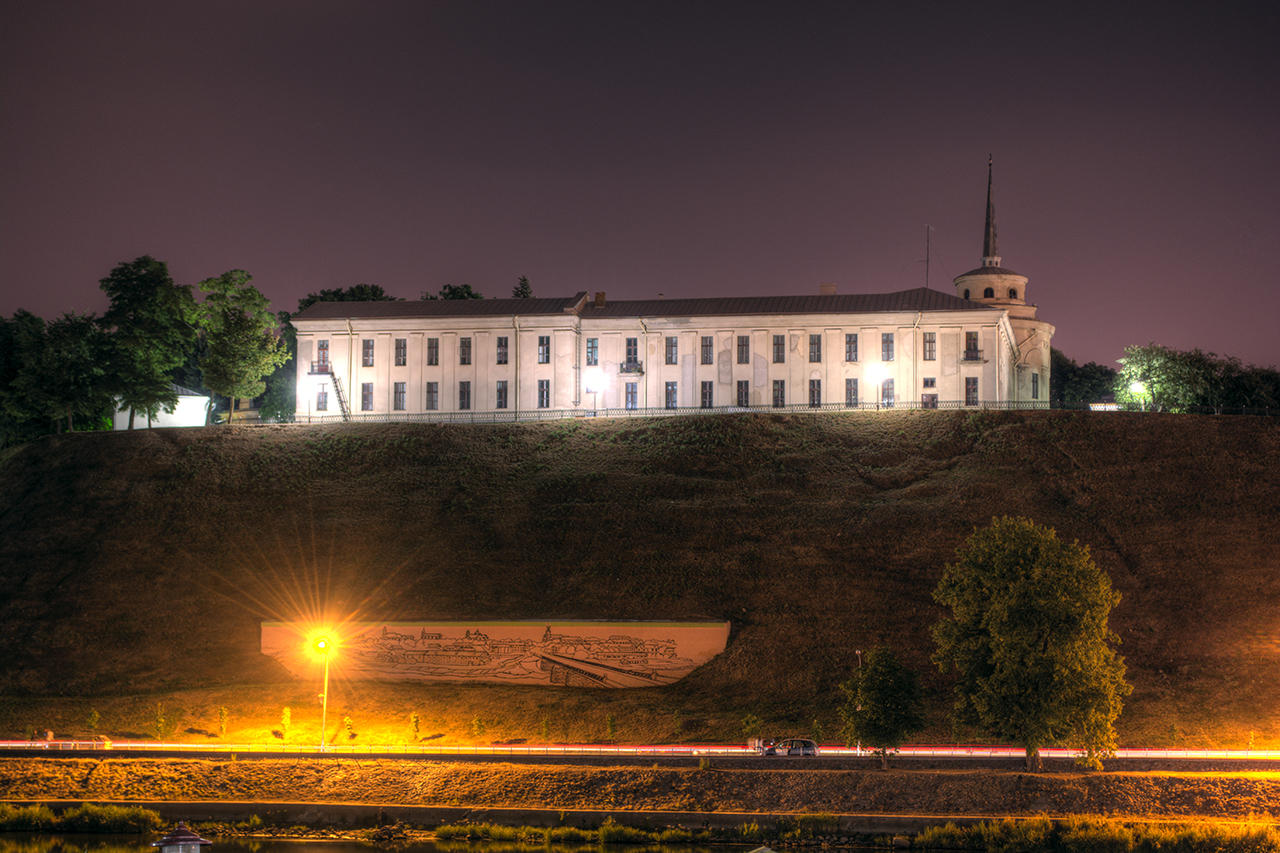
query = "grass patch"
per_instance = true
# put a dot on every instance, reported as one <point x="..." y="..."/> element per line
<point x="1087" y="835"/>
<point x="86" y="817"/>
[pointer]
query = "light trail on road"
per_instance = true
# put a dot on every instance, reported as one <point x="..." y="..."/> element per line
<point x="959" y="752"/>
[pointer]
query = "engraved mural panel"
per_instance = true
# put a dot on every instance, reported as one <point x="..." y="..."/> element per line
<point x="552" y="654"/>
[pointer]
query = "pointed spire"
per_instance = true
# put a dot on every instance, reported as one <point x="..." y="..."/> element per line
<point x="990" y="253"/>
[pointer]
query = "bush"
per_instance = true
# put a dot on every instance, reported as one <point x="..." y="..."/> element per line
<point x="571" y="835"/>
<point x="90" y="817"/>
<point x="25" y="818"/>
<point x="612" y="832"/>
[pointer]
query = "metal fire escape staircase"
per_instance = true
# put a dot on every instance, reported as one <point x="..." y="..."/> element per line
<point x="325" y="368"/>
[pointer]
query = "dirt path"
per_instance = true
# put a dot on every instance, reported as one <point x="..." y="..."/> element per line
<point x="680" y="789"/>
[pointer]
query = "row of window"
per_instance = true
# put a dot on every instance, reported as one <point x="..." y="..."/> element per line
<point x="990" y="293"/>
<point x="929" y="341"/>
<point x="671" y="396"/>
<point x="433" y="351"/>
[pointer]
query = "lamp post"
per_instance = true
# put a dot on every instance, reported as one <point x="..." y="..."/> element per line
<point x="322" y="645"/>
<point x="1138" y="388"/>
<point x="593" y="378"/>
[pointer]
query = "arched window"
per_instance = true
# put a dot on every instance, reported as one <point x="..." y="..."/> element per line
<point x="1013" y="293"/>
<point x="989" y="293"/>
<point x="966" y="293"/>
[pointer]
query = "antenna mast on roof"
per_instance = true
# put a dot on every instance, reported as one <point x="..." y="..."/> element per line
<point x="928" y="252"/>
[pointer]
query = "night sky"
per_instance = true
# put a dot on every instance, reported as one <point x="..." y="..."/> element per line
<point x="684" y="148"/>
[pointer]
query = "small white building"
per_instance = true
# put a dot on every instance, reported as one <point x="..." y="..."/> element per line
<point x="191" y="411"/>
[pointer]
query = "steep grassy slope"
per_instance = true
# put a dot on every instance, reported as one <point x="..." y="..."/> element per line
<point x="143" y="562"/>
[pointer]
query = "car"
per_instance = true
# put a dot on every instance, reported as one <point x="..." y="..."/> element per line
<point x="791" y="746"/>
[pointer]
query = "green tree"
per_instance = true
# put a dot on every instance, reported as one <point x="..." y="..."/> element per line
<point x="63" y="373"/>
<point x="151" y="321"/>
<point x="522" y="290"/>
<point x="355" y="293"/>
<point x="1075" y="385"/>
<point x="882" y="705"/>
<point x="20" y="420"/>
<point x="1161" y="379"/>
<point x="1027" y="638"/>
<point x="240" y="333"/>
<point x="459" y="291"/>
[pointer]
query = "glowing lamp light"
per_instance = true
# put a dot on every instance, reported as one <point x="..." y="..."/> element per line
<point x="593" y="380"/>
<point x="322" y="644"/>
<point x="1137" y="387"/>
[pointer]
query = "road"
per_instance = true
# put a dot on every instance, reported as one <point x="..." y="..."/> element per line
<point x="724" y="754"/>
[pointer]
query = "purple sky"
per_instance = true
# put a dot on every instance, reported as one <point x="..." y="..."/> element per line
<point x="686" y="148"/>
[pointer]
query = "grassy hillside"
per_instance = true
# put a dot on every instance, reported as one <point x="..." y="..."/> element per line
<point x="135" y="568"/>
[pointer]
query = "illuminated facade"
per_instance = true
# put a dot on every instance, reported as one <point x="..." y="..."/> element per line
<point x="524" y="357"/>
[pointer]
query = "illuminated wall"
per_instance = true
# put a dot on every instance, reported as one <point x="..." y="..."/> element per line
<point x="552" y="654"/>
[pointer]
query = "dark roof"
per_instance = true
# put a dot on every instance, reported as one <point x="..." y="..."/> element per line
<point x="439" y="308"/>
<point x="916" y="299"/>
<point x="989" y="271"/>
<point x="181" y="834"/>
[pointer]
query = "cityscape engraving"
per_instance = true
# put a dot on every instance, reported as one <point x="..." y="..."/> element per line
<point x="553" y="654"/>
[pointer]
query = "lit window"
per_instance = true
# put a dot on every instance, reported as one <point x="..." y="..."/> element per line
<point x="544" y="393"/>
<point x="544" y="349"/>
<point x="672" y="392"/>
<point x="322" y="356"/>
<point x="367" y="346"/>
<point x="886" y="393"/>
<point x="630" y="400"/>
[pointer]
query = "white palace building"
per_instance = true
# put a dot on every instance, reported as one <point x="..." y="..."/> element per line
<point x="489" y="359"/>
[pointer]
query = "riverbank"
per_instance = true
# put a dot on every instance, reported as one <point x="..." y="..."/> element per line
<point x="389" y="783"/>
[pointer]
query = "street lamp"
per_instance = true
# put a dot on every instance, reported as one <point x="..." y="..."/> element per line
<point x="592" y="380"/>
<point x="322" y="645"/>
<point x="1138" y="388"/>
<point x="877" y="373"/>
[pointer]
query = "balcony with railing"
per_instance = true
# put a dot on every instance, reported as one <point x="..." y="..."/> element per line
<point x="972" y="355"/>
<point x="321" y="367"/>
<point x="631" y="366"/>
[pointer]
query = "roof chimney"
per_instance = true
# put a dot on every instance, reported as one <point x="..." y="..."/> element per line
<point x="827" y="288"/>
<point x="599" y="300"/>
